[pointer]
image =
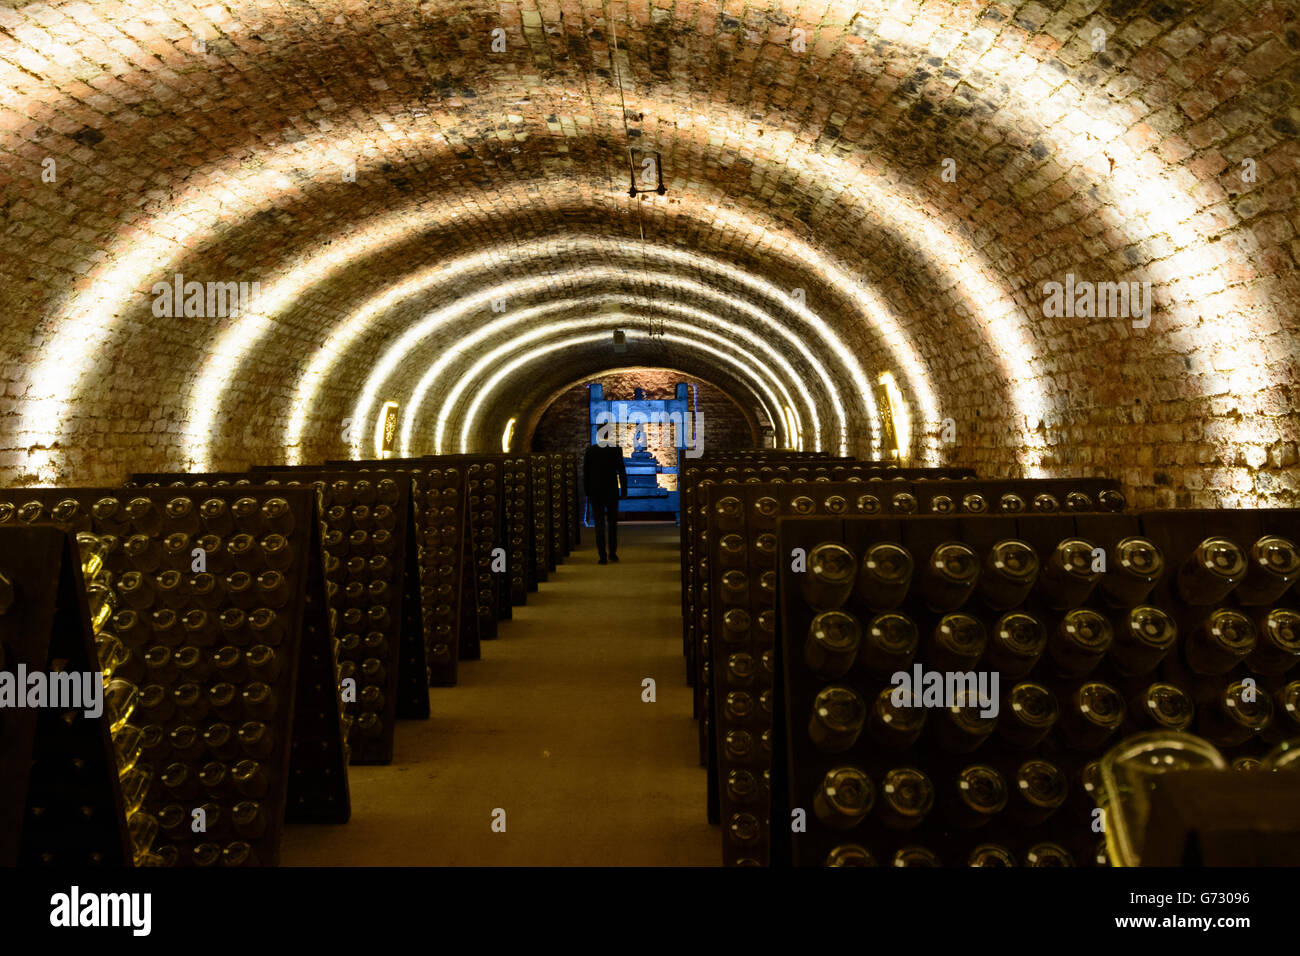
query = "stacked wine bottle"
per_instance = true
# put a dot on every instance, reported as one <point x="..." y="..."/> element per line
<point x="200" y="612"/>
<point x="695" y="475"/>
<point x="539" y="481"/>
<point x="901" y="494"/>
<point x="120" y="695"/>
<point x="572" y="501"/>
<point x="558" y="522"/>
<point x="364" y="532"/>
<point x="517" y="532"/>
<point x="752" y="467"/>
<point x="737" y="618"/>
<point x="440" y="494"/>
<point x="949" y="686"/>
<point x="483" y="501"/>
<point x="69" y="778"/>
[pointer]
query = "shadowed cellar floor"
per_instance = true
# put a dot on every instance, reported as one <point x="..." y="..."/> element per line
<point x="550" y="727"/>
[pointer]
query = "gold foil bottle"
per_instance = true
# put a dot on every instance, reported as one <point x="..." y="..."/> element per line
<point x="1135" y="568"/>
<point x="1080" y="642"/>
<point x="1211" y="572"/>
<point x="1010" y="570"/>
<point x="844" y="799"/>
<point x="830" y="576"/>
<point x="884" y="576"/>
<point x="838" y="715"/>
<point x="1272" y="568"/>
<point x="1068" y="577"/>
<point x="832" y="644"/>
<point x="93" y="550"/>
<point x="1226" y="638"/>
<point x="950" y="576"/>
<point x="1142" y="641"/>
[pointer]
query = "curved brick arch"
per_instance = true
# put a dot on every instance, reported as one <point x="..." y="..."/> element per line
<point x="707" y="348"/>
<point x="1195" y="87"/>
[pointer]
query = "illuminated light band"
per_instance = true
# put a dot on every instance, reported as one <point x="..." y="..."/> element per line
<point x="89" y="317"/>
<point x="767" y="381"/>
<point x="484" y="390"/>
<point x="506" y="436"/>
<point x="451" y="354"/>
<point x="480" y="302"/>
<point x="83" y="332"/>
<point x="1141" y="187"/>
<point x="345" y="336"/>
<point x="794" y="425"/>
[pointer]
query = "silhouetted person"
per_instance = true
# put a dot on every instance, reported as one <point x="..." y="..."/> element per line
<point x="604" y="482"/>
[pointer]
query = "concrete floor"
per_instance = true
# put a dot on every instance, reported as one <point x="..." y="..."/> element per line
<point x="549" y="727"/>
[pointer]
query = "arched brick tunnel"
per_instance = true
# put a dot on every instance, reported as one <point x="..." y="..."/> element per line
<point x="1030" y="238"/>
<point x="434" y="201"/>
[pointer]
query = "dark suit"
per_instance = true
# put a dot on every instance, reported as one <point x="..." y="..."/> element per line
<point x="604" y="482"/>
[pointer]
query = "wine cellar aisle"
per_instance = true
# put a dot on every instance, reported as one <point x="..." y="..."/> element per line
<point x="551" y="728"/>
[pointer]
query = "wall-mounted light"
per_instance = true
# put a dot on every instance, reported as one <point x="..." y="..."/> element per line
<point x="386" y="430"/>
<point x="508" y="434"/>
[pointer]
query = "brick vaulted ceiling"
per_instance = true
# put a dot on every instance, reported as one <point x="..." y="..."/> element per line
<point x="808" y="241"/>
